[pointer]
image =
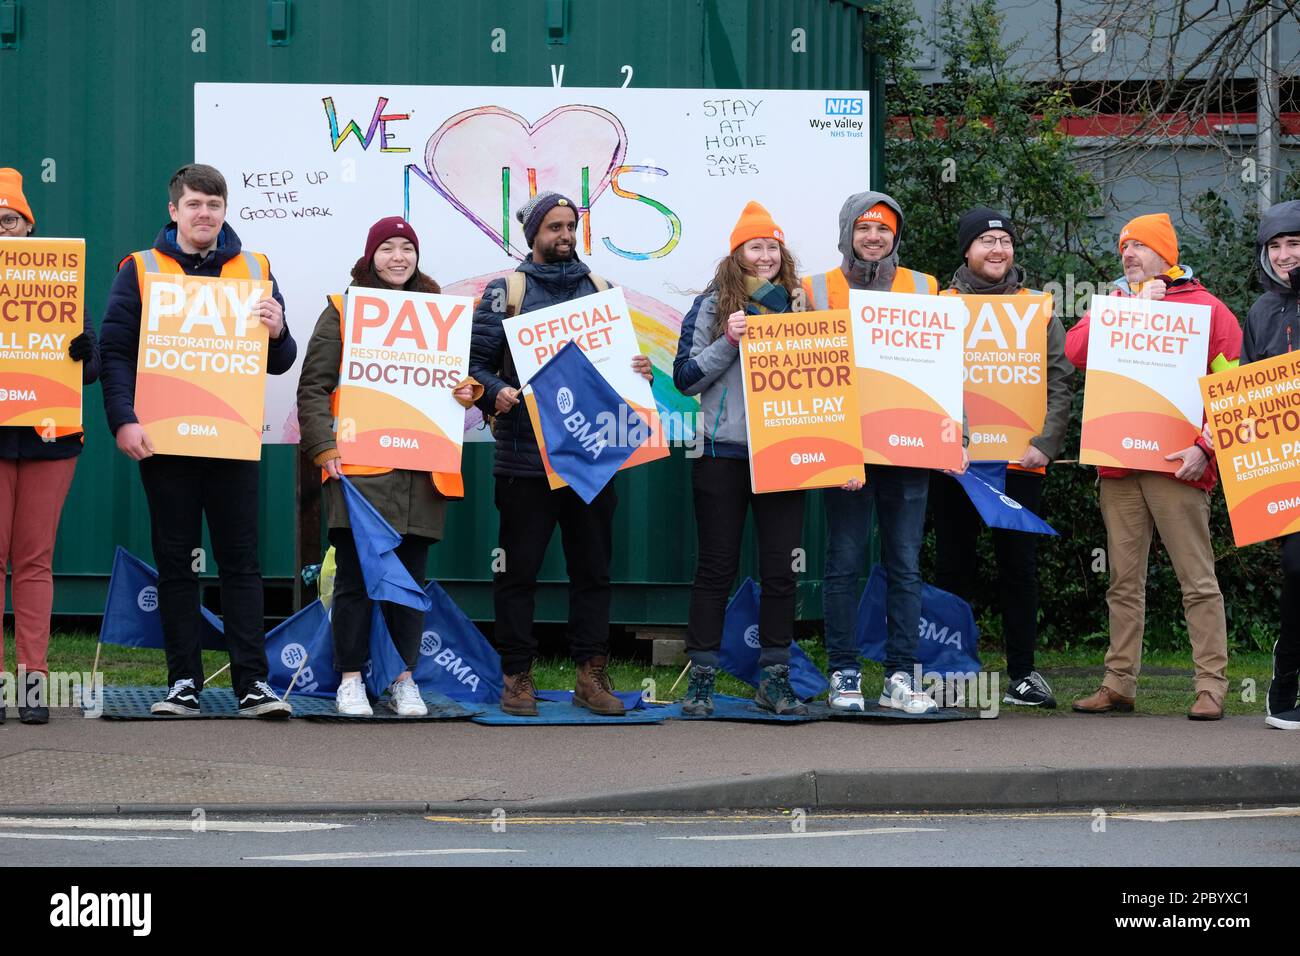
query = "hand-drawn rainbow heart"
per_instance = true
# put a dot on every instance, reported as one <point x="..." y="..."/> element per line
<point x="488" y="161"/>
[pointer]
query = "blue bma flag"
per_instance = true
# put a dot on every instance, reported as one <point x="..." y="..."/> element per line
<point x="455" y="657"/>
<point x="582" y="419"/>
<point x="131" y="617"/>
<point x="305" y="637"/>
<point x="991" y="472"/>
<point x="998" y="509"/>
<point x="738" y="655"/>
<point x="386" y="577"/>
<point x="948" y="638"/>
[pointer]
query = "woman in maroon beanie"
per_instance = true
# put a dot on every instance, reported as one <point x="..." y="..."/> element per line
<point x="414" y="503"/>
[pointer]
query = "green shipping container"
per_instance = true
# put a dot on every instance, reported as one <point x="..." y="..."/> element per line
<point x="97" y="111"/>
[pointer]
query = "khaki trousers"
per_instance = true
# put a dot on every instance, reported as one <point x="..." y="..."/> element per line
<point x="1131" y="507"/>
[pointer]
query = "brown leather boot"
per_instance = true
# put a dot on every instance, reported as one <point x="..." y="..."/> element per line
<point x="1104" y="701"/>
<point x="517" y="697"/>
<point x="594" y="691"/>
<point x="1206" y="707"/>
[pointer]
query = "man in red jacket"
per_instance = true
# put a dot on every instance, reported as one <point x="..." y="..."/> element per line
<point x="1135" y="502"/>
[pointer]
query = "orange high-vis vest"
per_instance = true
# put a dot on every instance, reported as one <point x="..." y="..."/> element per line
<point x="450" y="484"/>
<point x="1011" y="465"/>
<point x="830" y="290"/>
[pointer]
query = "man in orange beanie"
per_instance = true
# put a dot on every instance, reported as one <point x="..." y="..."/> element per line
<point x="1134" y="503"/>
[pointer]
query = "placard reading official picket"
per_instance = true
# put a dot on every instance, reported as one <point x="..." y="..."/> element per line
<point x="801" y="401"/>
<point x="404" y="353"/>
<point x="1005" y="394"/>
<point x="909" y="355"/>
<point x="1254" y="413"/>
<point x="602" y="327"/>
<point x="201" y="377"/>
<point x="1142" y="399"/>
<point x="42" y="299"/>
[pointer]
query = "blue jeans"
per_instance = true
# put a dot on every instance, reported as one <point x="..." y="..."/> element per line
<point x="899" y="496"/>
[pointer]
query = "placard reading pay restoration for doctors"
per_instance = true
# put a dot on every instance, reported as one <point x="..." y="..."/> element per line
<point x="201" y="376"/>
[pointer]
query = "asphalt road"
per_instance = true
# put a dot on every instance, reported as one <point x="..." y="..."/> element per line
<point x="1206" y="838"/>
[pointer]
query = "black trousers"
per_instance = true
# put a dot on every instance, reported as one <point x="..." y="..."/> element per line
<point x="957" y="525"/>
<point x="351" y="608"/>
<point x="181" y="491"/>
<point x="529" y="512"/>
<point x="722" y="500"/>
<point x="1286" y="654"/>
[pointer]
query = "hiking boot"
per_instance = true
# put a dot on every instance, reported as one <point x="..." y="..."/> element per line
<point x="594" y="691"/>
<point x="1103" y="702"/>
<point x="776" y="694"/>
<point x="900" y="693"/>
<point x="1031" y="691"/>
<point x="846" y="691"/>
<point x="699" y="693"/>
<point x="517" y="695"/>
<point x="182" y="700"/>
<point x="1206" y="707"/>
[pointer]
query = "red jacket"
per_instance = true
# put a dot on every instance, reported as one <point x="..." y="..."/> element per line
<point x="1224" y="352"/>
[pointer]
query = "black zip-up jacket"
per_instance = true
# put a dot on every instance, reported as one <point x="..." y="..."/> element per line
<point x="1273" y="323"/>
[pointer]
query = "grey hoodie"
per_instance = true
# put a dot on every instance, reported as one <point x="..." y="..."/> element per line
<point x="875" y="276"/>
<point x="1273" y="323"/>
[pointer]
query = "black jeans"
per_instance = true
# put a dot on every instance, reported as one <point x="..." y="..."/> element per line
<point x="957" y="525"/>
<point x="181" y="491"/>
<point x="350" y="610"/>
<point x="529" y="512"/>
<point x="722" y="500"/>
<point x="1286" y="653"/>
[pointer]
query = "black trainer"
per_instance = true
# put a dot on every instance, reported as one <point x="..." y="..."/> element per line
<point x="260" y="701"/>
<point x="1282" y="691"/>
<point x="699" y="693"/>
<point x="182" y="700"/>
<point x="1287" y="720"/>
<point x="776" y="694"/>
<point x="1030" y="691"/>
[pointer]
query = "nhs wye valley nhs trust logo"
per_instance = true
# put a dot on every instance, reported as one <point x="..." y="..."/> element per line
<point x="843" y="106"/>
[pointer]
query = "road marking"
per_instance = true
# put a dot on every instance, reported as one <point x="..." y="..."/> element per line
<point x="362" y="855"/>
<point x="81" y="836"/>
<point x="126" y="823"/>
<point x="876" y="831"/>
<point x="1180" y="816"/>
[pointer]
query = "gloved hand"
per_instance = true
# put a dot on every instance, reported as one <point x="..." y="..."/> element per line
<point x="83" y="346"/>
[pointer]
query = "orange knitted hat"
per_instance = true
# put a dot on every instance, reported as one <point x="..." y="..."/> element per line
<point x="1155" y="232"/>
<point x="755" y="223"/>
<point x="11" y="194"/>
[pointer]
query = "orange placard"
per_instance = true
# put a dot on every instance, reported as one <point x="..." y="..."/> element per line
<point x="403" y="355"/>
<point x="201" y="377"/>
<point x="1254" y="416"/>
<point x="42" y="302"/>
<point x="1141" y="400"/>
<point x="908" y="350"/>
<point x="801" y="401"/>
<point x="1005" y="373"/>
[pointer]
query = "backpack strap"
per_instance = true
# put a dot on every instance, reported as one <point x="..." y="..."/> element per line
<point x="516" y="284"/>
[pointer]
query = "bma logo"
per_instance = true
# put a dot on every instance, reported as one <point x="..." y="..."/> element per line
<point x="186" y="428"/>
<point x="397" y="441"/>
<point x="906" y="441"/>
<point x="843" y="106"/>
<point x="930" y="632"/>
<point x="292" y="655"/>
<point x="564" y="400"/>
<point x="147" y="599"/>
<point x="808" y="458"/>
<point x="1141" y="444"/>
<point x="430" y="643"/>
<point x="17" y="395"/>
<point x="751" y="636"/>
<point x="987" y="438"/>
<point x="1011" y="503"/>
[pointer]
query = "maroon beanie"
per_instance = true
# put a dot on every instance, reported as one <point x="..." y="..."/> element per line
<point x="391" y="227"/>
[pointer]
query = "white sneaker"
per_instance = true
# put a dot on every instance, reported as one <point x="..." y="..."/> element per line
<point x="900" y="694"/>
<point x="846" y="691"/>
<point x="350" y="700"/>
<point x="404" y="699"/>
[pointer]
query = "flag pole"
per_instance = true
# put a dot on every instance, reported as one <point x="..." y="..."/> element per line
<point x="293" y="680"/>
<point x="679" y="678"/>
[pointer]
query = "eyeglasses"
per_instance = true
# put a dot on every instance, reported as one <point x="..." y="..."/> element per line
<point x="11" y="222"/>
<point x="992" y="242"/>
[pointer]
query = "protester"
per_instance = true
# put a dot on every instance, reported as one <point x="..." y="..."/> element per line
<point x="1273" y="328"/>
<point x="757" y="278"/>
<point x="986" y="240"/>
<point x="181" y="490"/>
<point x="871" y="225"/>
<point x="414" y="503"/>
<point x="36" y="468"/>
<point x="1134" y="503"/>
<point x="529" y="508"/>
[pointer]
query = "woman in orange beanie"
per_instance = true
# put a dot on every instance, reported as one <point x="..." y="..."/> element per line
<point x="36" y="470"/>
<point x="757" y="278"/>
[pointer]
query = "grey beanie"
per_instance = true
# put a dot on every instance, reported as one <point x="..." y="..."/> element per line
<point x="534" y="211"/>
